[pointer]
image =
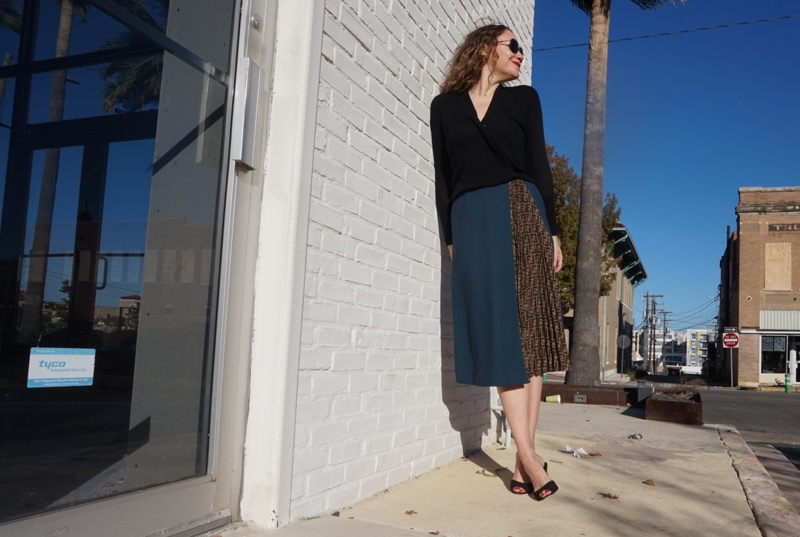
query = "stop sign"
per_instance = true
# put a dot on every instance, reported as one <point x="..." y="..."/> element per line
<point x="730" y="340"/>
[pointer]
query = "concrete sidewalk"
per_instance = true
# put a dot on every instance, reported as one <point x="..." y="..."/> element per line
<point x="705" y="481"/>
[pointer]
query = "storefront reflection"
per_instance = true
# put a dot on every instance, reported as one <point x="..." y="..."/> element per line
<point x="111" y="153"/>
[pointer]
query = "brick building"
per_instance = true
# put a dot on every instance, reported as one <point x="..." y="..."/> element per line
<point x="760" y="286"/>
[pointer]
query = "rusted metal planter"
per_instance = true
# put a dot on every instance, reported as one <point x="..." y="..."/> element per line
<point x="598" y="395"/>
<point x="685" y="412"/>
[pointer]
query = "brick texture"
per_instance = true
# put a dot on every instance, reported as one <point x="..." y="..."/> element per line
<point x="760" y="210"/>
<point x="378" y="402"/>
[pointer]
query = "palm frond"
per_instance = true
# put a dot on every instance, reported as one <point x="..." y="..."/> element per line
<point x="82" y="9"/>
<point x="134" y="84"/>
<point x="10" y="16"/>
<point x="586" y="5"/>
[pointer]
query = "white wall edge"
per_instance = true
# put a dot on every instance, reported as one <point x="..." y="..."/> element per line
<point x="280" y="272"/>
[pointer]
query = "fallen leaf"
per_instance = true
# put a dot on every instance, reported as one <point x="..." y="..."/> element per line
<point x="649" y="482"/>
<point x="609" y="495"/>
<point x="411" y="512"/>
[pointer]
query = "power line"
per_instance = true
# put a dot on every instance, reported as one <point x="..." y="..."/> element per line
<point x="696" y="325"/>
<point x="701" y="306"/>
<point x="687" y="318"/>
<point x="677" y="32"/>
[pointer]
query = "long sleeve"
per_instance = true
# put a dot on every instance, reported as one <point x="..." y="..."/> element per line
<point x="536" y="158"/>
<point x="442" y="169"/>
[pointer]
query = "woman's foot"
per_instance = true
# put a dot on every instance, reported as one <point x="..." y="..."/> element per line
<point x="542" y="484"/>
<point x="548" y="489"/>
<point x="521" y="483"/>
<point x="520" y="487"/>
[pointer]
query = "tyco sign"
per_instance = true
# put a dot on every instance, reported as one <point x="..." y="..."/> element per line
<point x="52" y="368"/>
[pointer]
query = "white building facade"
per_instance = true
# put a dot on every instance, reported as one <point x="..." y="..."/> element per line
<point x="290" y="352"/>
<point x="697" y="345"/>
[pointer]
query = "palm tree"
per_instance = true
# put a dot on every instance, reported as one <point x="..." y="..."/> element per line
<point x="585" y="339"/>
<point x="133" y="83"/>
<point x="10" y="17"/>
<point x="34" y="295"/>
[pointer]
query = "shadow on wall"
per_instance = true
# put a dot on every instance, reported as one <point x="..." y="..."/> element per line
<point x="469" y="407"/>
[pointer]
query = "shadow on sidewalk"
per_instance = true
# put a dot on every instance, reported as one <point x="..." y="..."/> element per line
<point x="490" y="467"/>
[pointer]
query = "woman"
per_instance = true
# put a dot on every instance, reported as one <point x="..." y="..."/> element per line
<point x="494" y="197"/>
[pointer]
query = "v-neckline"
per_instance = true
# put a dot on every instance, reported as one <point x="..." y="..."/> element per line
<point x="488" y="107"/>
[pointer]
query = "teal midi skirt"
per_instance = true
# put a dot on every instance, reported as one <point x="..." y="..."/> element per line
<point x="507" y="320"/>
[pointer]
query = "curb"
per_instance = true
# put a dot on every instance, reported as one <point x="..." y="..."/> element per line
<point x="774" y="514"/>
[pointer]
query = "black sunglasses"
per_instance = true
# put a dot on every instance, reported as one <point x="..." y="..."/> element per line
<point x="513" y="45"/>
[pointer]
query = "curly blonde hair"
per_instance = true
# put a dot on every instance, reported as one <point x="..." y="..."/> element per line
<point x="464" y="69"/>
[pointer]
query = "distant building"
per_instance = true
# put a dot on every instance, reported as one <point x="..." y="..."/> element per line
<point x="697" y="345"/>
<point x="675" y="351"/>
<point x="616" y="309"/>
<point x="668" y="349"/>
<point x="760" y="286"/>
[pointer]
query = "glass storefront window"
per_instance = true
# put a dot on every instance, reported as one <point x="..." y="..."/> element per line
<point x="111" y="187"/>
<point x="773" y="354"/>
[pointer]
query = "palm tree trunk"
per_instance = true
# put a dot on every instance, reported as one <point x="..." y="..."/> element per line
<point x="7" y="59"/>
<point x="585" y="340"/>
<point x="34" y="295"/>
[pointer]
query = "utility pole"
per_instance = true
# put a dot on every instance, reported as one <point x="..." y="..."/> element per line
<point x="652" y="343"/>
<point x="646" y="352"/>
<point x="664" y="345"/>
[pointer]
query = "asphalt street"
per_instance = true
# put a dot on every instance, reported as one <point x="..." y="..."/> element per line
<point x="770" y="417"/>
<point x="768" y="422"/>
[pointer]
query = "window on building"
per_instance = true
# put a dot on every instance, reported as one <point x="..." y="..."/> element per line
<point x="778" y="266"/>
<point x="773" y="354"/>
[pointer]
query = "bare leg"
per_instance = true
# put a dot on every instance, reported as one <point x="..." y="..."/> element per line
<point x="517" y="406"/>
<point x="533" y="392"/>
<point x="534" y="388"/>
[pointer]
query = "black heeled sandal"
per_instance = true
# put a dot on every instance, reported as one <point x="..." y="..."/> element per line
<point x="520" y="487"/>
<point x="546" y="491"/>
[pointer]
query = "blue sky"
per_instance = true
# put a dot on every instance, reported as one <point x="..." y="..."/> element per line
<point x="690" y="118"/>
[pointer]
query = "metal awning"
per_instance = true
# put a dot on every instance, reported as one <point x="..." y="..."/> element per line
<point x="628" y="258"/>
<point x="779" y="320"/>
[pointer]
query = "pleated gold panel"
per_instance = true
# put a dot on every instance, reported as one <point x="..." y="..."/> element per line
<point x="539" y="301"/>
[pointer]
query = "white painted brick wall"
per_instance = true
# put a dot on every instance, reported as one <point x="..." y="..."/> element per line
<point x="377" y="400"/>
